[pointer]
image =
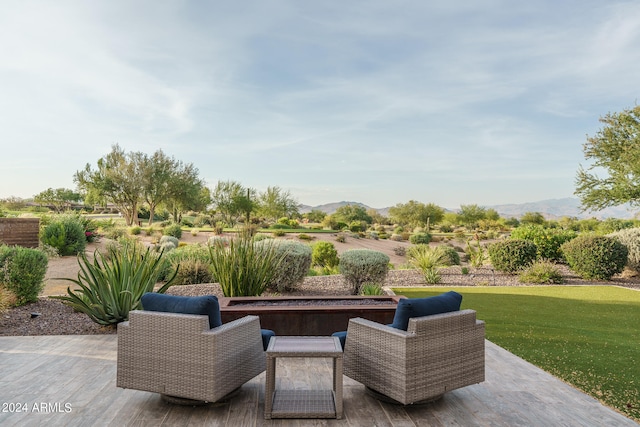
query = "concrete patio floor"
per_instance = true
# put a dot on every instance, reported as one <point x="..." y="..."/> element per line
<point x="70" y="381"/>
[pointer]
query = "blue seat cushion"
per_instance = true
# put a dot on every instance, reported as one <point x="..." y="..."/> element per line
<point x="342" y="336"/>
<point x="207" y="305"/>
<point x="418" y="307"/>
<point x="266" y="337"/>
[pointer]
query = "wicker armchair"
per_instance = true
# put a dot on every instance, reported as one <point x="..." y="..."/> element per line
<point x="177" y="355"/>
<point x="436" y="354"/>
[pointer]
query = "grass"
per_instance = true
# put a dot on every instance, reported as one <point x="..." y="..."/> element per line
<point x="589" y="336"/>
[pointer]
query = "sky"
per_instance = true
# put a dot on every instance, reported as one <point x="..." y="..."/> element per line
<point x="381" y="102"/>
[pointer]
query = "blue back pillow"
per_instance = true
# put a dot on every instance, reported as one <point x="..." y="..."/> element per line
<point x="207" y="305"/>
<point x="418" y="307"/>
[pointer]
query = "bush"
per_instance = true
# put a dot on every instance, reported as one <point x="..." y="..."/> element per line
<point x="22" y="272"/>
<point x="241" y="267"/>
<point x="173" y="230"/>
<point x="66" y="234"/>
<point x="201" y="221"/>
<point x="371" y="289"/>
<point x="135" y="230"/>
<point x="595" y="257"/>
<point x="512" y="255"/>
<point x="192" y="262"/>
<point x="420" y="238"/>
<point x="396" y="237"/>
<point x="112" y="285"/>
<point x="547" y="240"/>
<point x="170" y="239"/>
<point x="402" y="251"/>
<point x="363" y="265"/>
<point x="324" y="254"/>
<point x="542" y="272"/>
<point x="630" y="237"/>
<point x="293" y="263"/>
<point x="304" y="236"/>
<point x="451" y="256"/>
<point x="428" y="260"/>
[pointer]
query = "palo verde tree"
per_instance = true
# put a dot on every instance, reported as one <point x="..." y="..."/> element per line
<point x="615" y="151"/>
<point x="58" y="198"/>
<point x="275" y="203"/>
<point x="416" y="214"/>
<point x="231" y="200"/>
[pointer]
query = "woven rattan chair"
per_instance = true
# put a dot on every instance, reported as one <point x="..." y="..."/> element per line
<point x="436" y="354"/>
<point x="178" y="356"/>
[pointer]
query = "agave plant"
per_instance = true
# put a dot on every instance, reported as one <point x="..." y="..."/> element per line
<point x="428" y="260"/>
<point x="111" y="285"/>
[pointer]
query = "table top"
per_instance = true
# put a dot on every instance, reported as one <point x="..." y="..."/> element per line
<point x="295" y="346"/>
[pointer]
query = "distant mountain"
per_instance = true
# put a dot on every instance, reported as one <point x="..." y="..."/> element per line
<point x="557" y="208"/>
<point x="550" y="209"/>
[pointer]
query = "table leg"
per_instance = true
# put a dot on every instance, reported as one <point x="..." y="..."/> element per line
<point x="270" y="384"/>
<point x="337" y="385"/>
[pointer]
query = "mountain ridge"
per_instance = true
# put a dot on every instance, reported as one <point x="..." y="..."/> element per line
<point x="549" y="208"/>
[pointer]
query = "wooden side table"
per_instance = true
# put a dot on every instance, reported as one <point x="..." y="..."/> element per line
<point x="303" y="403"/>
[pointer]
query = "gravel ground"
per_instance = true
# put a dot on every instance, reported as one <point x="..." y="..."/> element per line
<point x="51" y="317"/>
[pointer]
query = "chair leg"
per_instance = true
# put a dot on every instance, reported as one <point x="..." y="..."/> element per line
<point x="193" y="402"/>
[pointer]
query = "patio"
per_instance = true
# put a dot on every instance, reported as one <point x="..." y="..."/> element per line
<point x="70" y="381"/>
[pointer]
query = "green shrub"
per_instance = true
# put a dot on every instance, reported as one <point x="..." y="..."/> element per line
<point x="547" y="240"/>
<point x="341" y="238"/>
<point x="293" y="262"/>
<point x="279" y="233"/>
<point x="66" y="234"/>
<point x="202" y="221"/>
<point x="420" y="238"/>
<point x="192" y="262"/>
<point x="371" y="289"/>
<point x="22" y="272"/>
<point x="173" y="240"/>
<point x="401" y="251"/>
<point x="542" y="272"/>
<point x="452" y="257"/>
<point x="396" y="237"/>
<point x="135" y="230"/>
<point x="595" y="257"/>
<point x="363" y="265"/>
<point x="512" y="255"/>
<point x="304" y="236"/>
<point x="630" y="237"/>
<point x="356" y="226"/>
<point x="261" y="236"/>
<point x="242" y="268"/>
<point x="173" y="230"/>
<point x="324" y="254"/>
<point x="112" y="285"/>
<point x="428" y="260"/>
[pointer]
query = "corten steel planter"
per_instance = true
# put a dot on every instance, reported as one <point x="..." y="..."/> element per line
<point x="307" y="318"/>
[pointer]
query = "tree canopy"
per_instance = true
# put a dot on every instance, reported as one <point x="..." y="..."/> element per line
<point x="416" y="213"/>
<point x="57" y="198"/>
<point x="615" y="151"/>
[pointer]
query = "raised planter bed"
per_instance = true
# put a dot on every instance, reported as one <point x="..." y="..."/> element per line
<point x="311" y="316"/>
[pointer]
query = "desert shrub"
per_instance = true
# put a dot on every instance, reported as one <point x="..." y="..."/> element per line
<point x="202" y="221"/>
<point x="356" y="226"/>
<point x="324" y="254"/>
<point x="22" y="272"/>
<point x="115" y="233"/>
<point x="595" y="257"/>
<point x="543" y="272"/>
<point x="7" y="299"/>
<point x="66" y="234"/>
<point x="192" y="262"/>
<point x="173" y="230"/>
<point x="341" y="238"/>
<point x="400" y="250"/>
<point x="186" y="222"/>
<point x="371" y="289"/>
<point x="451" y="256"/>
<point x="279" y="233"/>
<point x="112" y="285"/>
<point x="512" y="255"/>
<point x="477" y="254"/>
<point x="261" y="236"/>
<point x="293" y="262"/>
<point x="547" y="240"/>
<point x="215" y="240"/>
<point x="241" y="267"/>
<point x="279" y="226"/>
<point x="630" y="237"/>
<point x="420" y="238"/>
<point x="135" y="230"/>
<point x="304" y="236"/>
<point x="428" y="260"/>
<point x="396" y="237"/>
<point x="170" y="239"/>
<point x="363" y="265"/>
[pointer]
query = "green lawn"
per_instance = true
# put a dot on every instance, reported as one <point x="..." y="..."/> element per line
<point x="589" y="336"/>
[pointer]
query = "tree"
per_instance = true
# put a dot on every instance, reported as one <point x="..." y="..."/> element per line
<point x="276" y="203"/>
<point x="350" y="213"/>
<point x="186" y="191"/>
<point x="57" y="198"/>
<point x="157" y="173"/>
<point x="316" y="215"/>
<point x="231" y="200"/>
<point x="416" y="214"/>
<point x="532" y="218"/>
<point x="470" y="214"/>
<point x="615" y="150"/>
<point x="118" y="178"/>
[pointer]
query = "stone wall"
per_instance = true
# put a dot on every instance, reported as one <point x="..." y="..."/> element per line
<point x="19" y="231"/>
